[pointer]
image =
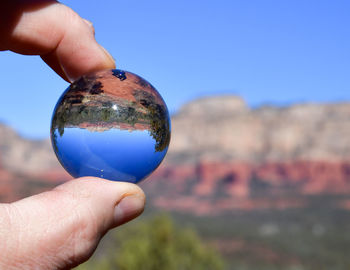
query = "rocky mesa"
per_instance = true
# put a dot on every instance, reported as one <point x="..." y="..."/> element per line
<point x="222" y="154"/>
<point x="224" y="128"/>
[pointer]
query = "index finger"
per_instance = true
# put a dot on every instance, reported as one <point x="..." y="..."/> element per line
<point x="60" y="36"/>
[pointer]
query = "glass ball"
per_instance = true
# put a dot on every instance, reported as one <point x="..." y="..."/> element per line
<point x="111" y="124"/>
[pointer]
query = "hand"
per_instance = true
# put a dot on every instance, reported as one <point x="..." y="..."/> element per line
<point x="61" y="228"/>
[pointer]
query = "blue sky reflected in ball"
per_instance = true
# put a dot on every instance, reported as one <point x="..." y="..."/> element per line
<point x="113" y="154"/>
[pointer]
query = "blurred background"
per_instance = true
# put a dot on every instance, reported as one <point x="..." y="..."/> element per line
<point x="258" y="171"/>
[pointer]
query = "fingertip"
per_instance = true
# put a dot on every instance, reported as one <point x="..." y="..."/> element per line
<point x="77" y="51"/>
<point x="109" y="59"/>
<point x="100" y="59"/>
<point x="74" y="51"/>
<point x="90" y="24"/>
<point x="126" y="201"/>
<point x="90" y="58"/>
<point x="97" y="187"/>
<point x="128" y="208"/>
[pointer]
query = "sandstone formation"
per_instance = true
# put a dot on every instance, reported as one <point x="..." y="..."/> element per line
<point x="25" y="156"/>
<point x="223" y="156"/>
<point x="224" y="128"/>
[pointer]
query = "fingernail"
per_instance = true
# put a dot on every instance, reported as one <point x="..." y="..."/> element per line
<point x="91" y="26"/>
<point x="108" y="55"/>
<point x="128" y="208"/>
<point x="89" y="23"/>
<point x="70" y="78"/>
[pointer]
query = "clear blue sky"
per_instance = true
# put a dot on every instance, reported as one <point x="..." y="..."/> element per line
<point x="266" y="51"/>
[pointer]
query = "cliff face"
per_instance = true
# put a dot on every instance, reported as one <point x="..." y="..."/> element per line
<point x="25" y="156"/>
<point x="225" y="129"/>
<point x="224" y="151"/>
<point x="223" y="156"/>
<point x="26" y="166"/>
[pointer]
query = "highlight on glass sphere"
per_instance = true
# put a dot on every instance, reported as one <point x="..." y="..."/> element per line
<point x="111" y="124"/>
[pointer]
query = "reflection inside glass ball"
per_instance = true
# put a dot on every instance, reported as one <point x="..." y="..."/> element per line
<point x="111" y="124"/>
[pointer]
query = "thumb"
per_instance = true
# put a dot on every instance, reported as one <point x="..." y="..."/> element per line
<point x="60" y="229"/>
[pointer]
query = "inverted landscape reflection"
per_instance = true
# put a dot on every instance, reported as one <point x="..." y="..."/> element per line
<point x="112" y="124"/>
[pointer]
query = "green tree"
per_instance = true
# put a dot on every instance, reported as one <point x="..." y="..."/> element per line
<point x="158" y="244"/>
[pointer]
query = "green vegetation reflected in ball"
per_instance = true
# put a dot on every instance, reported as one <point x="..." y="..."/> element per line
<point x="111" y="124"/>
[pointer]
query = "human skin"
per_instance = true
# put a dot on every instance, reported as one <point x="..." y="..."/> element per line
<point x="61" y="228"/>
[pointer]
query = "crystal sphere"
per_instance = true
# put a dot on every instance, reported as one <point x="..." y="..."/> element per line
<point x="111" y="124"/>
